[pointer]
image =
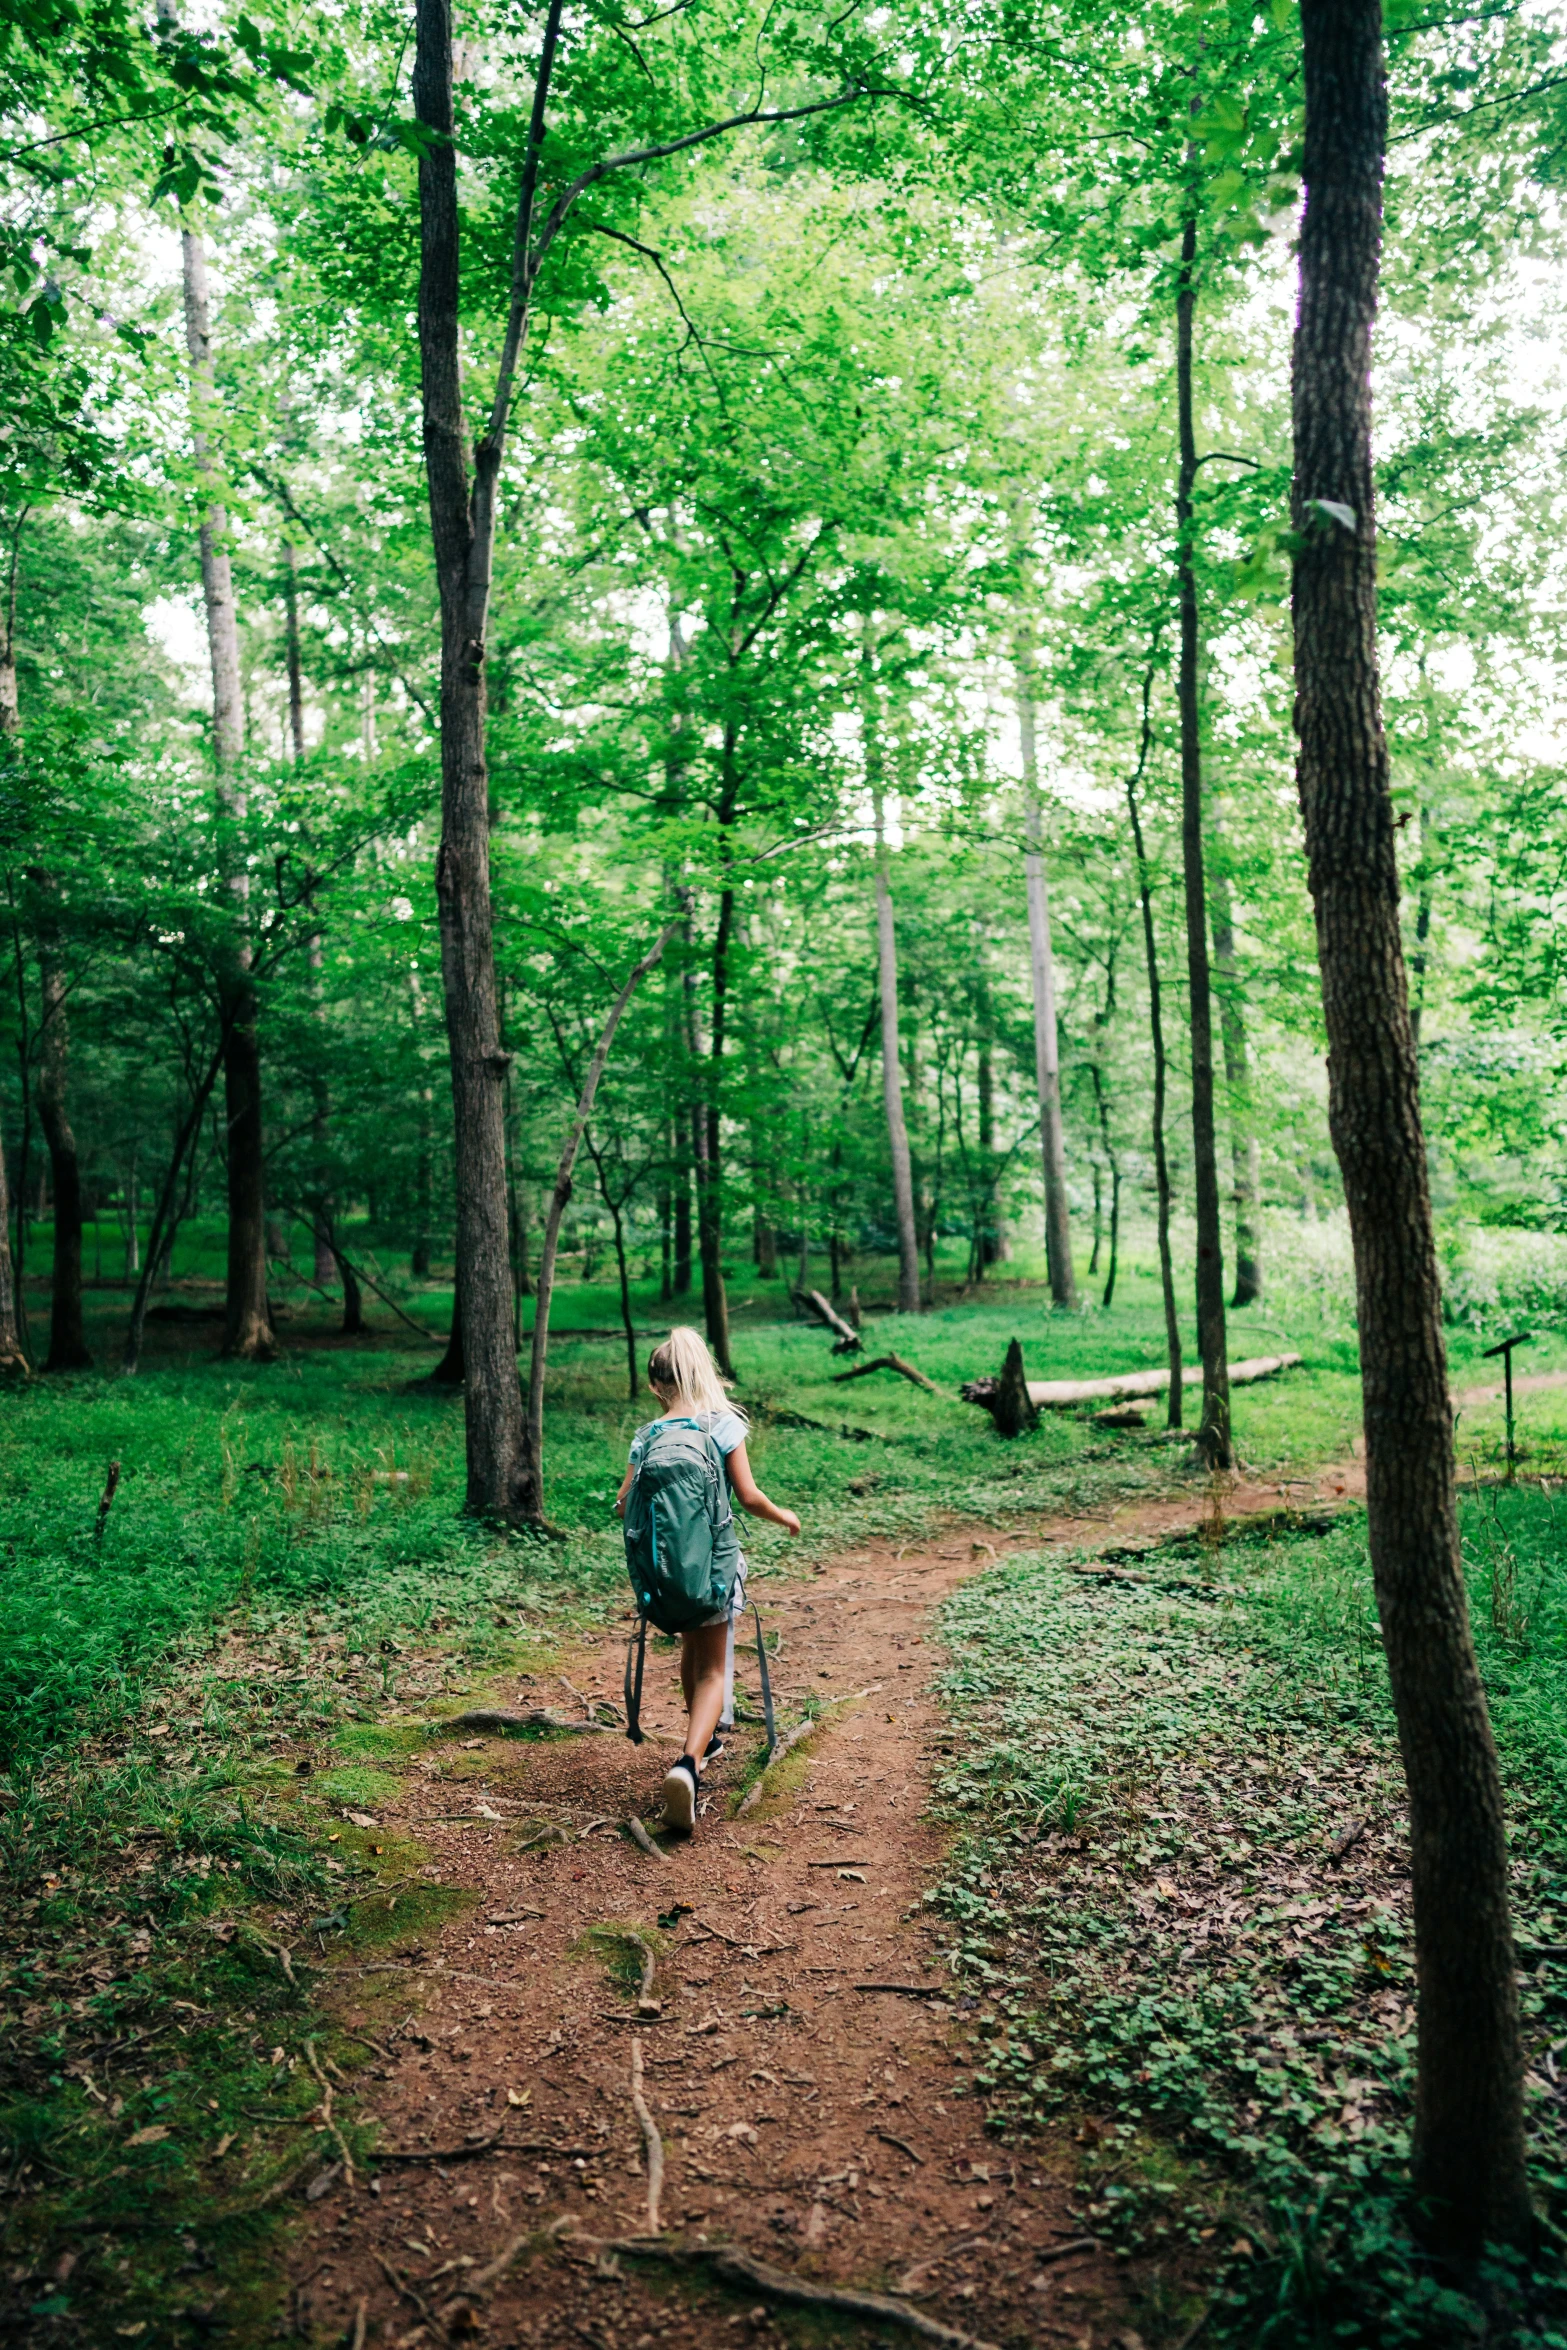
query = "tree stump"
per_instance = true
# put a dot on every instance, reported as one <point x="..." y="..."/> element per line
<point x="1014" y="1408"/>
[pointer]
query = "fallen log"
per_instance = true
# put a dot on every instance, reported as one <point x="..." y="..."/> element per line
<point x="888" y="1363"/>
<point x="1054" y="1394"/>
<point x="849" y="1340"/>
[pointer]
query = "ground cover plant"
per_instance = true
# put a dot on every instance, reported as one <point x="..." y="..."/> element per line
<point x="1183" y="1914"/>
<point x="201" y="1695"/>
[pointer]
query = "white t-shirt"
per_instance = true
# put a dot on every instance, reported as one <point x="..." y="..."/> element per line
<point x="726" y="1428"/>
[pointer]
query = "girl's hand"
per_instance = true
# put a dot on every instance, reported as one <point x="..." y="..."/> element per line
<point x="789" y="1522"/>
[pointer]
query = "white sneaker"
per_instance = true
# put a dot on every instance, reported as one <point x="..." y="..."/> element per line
<point x="680" y="1794"/>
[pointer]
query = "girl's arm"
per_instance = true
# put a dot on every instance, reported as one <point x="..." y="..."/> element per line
<point x="750" y="1495"/>
<point x="625" y="1488"/>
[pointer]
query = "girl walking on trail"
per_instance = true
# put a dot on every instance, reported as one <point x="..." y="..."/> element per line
<point x="684" y="1377"/>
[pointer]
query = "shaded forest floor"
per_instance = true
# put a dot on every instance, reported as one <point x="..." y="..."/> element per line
<point x="1169" y="2019"/>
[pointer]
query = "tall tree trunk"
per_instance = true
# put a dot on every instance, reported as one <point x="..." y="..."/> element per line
<point x="1047" y="1051"/>
<point x="247" y="1332"/>
<point x="160" y="1237"/>
<point x="1107" y="1145"/>
<point x="1468" y="2157"/>
<point x="68" y="1350"/>
<point x="419" y="1255"/>
<point x="296" y="680"/>
<point x="1245" y="1157"/>
<point x="13" y="1356"/>
<point x="709" y="1152"/>
<point x="1213" y="1434"/>
<point x="559" y="1200"/>
<point x="1161" y="1161"/>
<point x="892" y="1078"/>
<point x="502" y="1479"/>
<point x="664" y="1202"/>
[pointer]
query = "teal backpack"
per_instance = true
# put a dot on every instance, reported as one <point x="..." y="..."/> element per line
<point x="682" y="1552"/>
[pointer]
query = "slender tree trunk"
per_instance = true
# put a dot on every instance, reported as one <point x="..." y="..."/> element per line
<point x="1245" y="1157"/>
<point x="10" y="707"/>
<point x="68" y="1349"/>
<point x="451" y="1371"/>
<point x="664" y="1201"/>
<point x="160" y="1238"/>
<point x="13" y="1356"/>
<point x="1107" y="1145"/>
<point x="1047" y="1057"/>
<point x="247" y="1323"/>
<point x="296" y="680"/>
<point x="707" y="1136"/>
<point x="502" y="1479"/>
<point x="353" y="1322"/>
<point x="559" y="1199"/>
<point x="1161" y="1162"/>
<point x="892" y="1078"/>
<point x="1468" y="2154"/>
<point x="1213" y="1435"/>
<point x="1423" y="908"/>
<point x="132" y="1214"/>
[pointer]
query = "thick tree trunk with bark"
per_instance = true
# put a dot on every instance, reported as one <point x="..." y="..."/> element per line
<point x="1161" y="1161"/>
<point x="247" y="1331"/>
<point x="501" y="1481"/>
<point x="1047" y="1049"/>
<point x="68" y="1349"/>
<point x="892" y="1080"/>
<point x="1213" y="1434"/>
<point x="1468" y="2157"/>
<point x="1245" y="1157"/>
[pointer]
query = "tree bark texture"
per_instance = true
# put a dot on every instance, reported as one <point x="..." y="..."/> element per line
<point x="68" y="1349"/>
<point x="892" y="1079"/>
<point x="1161" y="1160"/>
<point x="1213" y="1434"/>
<point x="247" y="1331"/>
<point x="501" y="1482"/>
<point x="1245" y="1157"/>
<point x="1468" y="2163"/>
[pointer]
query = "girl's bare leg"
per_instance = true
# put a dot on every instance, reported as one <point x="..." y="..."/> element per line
<point x="702" y="1682"/>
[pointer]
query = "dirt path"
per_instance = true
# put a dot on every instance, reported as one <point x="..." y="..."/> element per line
<point x="823" y="2126"/>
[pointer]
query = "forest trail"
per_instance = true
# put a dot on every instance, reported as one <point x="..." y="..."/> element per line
<point x="821" y="2126"/>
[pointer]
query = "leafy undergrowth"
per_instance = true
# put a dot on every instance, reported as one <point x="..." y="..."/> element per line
<point x="1181" y="1905"/>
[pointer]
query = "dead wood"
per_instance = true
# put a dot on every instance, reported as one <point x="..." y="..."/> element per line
<point x="537" y="1717"/>
<point x="734" y="2267"/>
<point x="888" y="1363"/>
<point x="650" y="2139"/>
<point x="901" y="2144"/>
<point x="790" y="1739"/>
<point x="904" y="1990"/>
<point x="1345" y="1841"/>
<point x="1065" y="2251"/>
<point x="847" y="1336"/>
<point x="640" y="1837"/>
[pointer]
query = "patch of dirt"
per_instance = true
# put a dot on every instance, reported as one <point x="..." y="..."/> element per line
<point x="823" y="2126"/>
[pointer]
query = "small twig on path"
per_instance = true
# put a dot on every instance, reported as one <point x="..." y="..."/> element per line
<point x="901" y="2144"/>
<point x="734" y="2267"/>
<point x="650" y="2139"/>
<point x="1065" y="2251"/>
<point x="361" y="2312"/>
<point x="640" y="1837"/>
<point x="484" y="2280"/>
<point x="400" y="2286"/>
<point x="327" y="2123"/>
<point x="906" y="1990"/>
<point x="537" y="1717"/>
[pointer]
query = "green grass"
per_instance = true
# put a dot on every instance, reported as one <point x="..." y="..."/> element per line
<point x="1243" y="2095"/>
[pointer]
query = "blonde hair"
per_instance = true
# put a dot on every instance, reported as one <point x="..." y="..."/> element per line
<point x="683" y="1369"/>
